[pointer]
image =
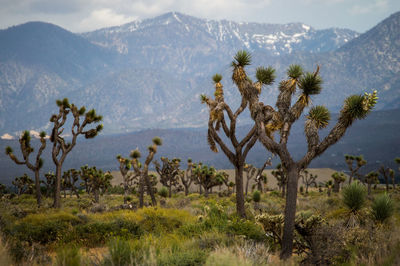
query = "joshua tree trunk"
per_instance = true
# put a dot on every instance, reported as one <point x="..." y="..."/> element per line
<point x="126" y="190"/>
<point x="239" y="188"/>
<point x="369" y="189"/>
<point x="150" y="190"/>
<point x="290" y="211"/>
<point x="96" y="195"/>
<point x="336" y="186"/>
<point x="141" y="192"/>
<point x="37" y="188"/>
<point x="57" y="188"/>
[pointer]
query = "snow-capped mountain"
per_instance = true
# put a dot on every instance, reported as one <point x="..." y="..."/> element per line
<point x="150" y="73"/>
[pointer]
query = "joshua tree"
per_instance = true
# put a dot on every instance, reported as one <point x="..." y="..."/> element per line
<point x="23" y="184"/>
<point x="250" y="171"/>
<point x="50" y="180"/>
<point x="97" y="180"/>
<point x="371" y="178"/>
<point x="260" y="177"/>
<point x="69" y="179"/>
<point x="308" y="179"/>
<point x="60" y="147"/>
<point x="359" y="162"/>
<point x="241" y="148"/>
<point x="387" y="174"/>
<point x="338" y="178"/>
<point x="169" y="173"/>
<point x="281" y="178"/>
<point x="187" y="177"/>
<point x="27" y="149"/>
<point x="210" y="178"/>
<point x="268" y="120"/>
<point x="127" y="177"/>
<point x="143" y="171"/>
<point x="328" y="186"/>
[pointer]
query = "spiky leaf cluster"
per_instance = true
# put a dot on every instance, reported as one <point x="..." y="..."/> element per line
<point x="242" y="58"/>
<point x="382" y="208"/>
<point x="42" y="134"/>
<point x="320" y="115"/>
<point x="310" y="84"/>
<point x="295" y="71"/>
<point x="354" y="107"/>
<point x="203" y="98"/>
<point x="339" y="177"/>
<point x="9" y="150"/>
<point x="157" y="141"/>
<point x="265" y="75"/>
<point x="135" y="154"/>
<point x="217" y="78"/>
<point x="91" y="116"/>
<point x="63" y="103"/>
<point x="354" y="196"/>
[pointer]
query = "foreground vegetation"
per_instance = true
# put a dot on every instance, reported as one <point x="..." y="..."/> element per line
<point x="344" y="228"/>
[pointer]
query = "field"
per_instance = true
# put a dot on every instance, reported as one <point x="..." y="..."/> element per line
<point x="196" y="230"/>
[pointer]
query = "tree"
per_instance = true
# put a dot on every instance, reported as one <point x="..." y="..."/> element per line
<point x="49" y="183"/>
<point x="338" y="178"/>
<point x="359" y="162"/>
<point x="143" y="171"/>
<point x="169" y="173"/>
<point x="128" y="178"/>
<point x="371" y="178"/>
<point x="210" y="178"/>
<point x="281" y="178"/>
<point x="3" y="190"/>
<point x="268" y="120"/>
<point x="262" y="178"/>
<point x="250" y="171"/>
<point x="98" y="181"/>
<point x="187" y="176"/>
<point x="308" y="179"/>
<point x="23" y="184"/>
<point x="60" y="147"/>
<point x="387" y="173"/>
<point x="69" y="179"/>
<point x="27" y="149"/>
<point x="237" y="156"/>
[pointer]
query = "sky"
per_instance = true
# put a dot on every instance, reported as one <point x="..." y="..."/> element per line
<point x="88" y="15"/>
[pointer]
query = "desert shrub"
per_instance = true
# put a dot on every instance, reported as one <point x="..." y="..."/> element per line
<point x="354" y="196"/>
<point x="256" y="196"/>
<point x="246" y="228"/>
<point x="69" y="256"/>
<point x="382" y="208"/>
<point x="163" y="192"/>
<point x="120" y="253"/>
<point x="44" y="228"/>
<point x="182" y="257"/>
<point x="226" y="257"/>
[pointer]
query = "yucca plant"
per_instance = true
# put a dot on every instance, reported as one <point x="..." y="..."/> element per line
<point x="354" y="197"/>
<point x="120" y="253"/>
<point x="382" y="208"/>
<point x="69" y="256"/>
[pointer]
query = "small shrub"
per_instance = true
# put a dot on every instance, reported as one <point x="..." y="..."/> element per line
<point x="382" y="208"/>
<point x="246" y="228"/>
<point x="120" y="253"/>
<point x="182" y="257"/>
<point x="163" y="192"/>
<point x="354" y="196"/>
<point x="68" y="256"/>
<point x="256" y="196"/>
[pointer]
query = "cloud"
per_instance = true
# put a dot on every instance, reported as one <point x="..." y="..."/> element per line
<point x="104" y="17"/>
<point x="377" y="5"/>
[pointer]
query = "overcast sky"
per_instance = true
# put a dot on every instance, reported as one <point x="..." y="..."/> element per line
<point x="87" y="15"/>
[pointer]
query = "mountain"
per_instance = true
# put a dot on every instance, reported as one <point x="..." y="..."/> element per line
<point x="378" y="143"/>
<point x="150" y="73"/>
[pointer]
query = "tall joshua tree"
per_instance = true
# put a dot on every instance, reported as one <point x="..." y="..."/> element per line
<point x="237" y="156"/>
<point x="143" y="171"/>
<point x="23" y="184"/>
<point x="26" y="149"/>
<point x="338" y="178"/>
<point x="354" y="163"/>
<point x="125" y="165"/>
<point x="268" y="120"/>
<point x="62" y="148"/>
<point x="281" y="178"/>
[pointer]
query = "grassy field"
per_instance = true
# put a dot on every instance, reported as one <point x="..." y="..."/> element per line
<point x="195" y="230"/>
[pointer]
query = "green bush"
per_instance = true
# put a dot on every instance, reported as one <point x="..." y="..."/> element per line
<point x="182" y="257"/>
<point x="256" y="196"/>
<point x="382" y="208"/>
<point x="44" y="228"/>
<point x="246" y="228"/>
<point x="163" y="192"/>
<point x="354" y="196"/>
